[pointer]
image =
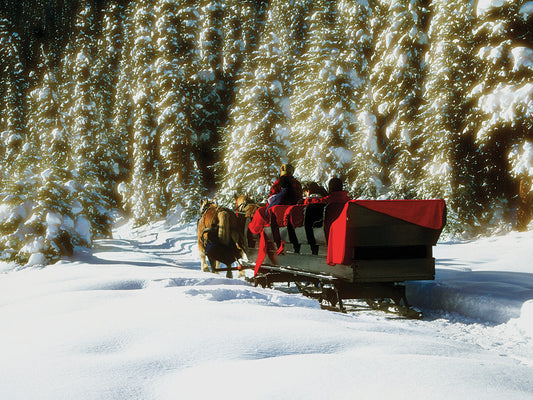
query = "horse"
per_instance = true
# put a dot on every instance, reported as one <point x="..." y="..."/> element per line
<point x="220" y="239"/>
<point x="245" y="209"/>
<point x="245" y="206"/>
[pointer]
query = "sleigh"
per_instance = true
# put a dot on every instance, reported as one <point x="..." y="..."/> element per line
<point x="363" y="249"/>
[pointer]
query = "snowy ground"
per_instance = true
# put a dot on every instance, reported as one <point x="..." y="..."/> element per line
<point x="136" y="319"/>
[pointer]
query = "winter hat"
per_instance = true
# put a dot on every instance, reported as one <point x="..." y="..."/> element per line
<point x="286" y="169"/>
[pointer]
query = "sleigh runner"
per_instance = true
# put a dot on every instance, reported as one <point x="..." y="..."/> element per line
<point x="363" y="249"/>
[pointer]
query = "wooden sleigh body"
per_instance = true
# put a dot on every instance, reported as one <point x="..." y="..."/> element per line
<point x="363" y="249"/>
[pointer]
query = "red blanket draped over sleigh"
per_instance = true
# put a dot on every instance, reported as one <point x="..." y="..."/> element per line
<point x="279" y="211"/>
<point x="425" y="213"/>
<point x="295" y="215"/>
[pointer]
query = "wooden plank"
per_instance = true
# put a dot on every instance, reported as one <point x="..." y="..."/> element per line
<point x="312" y="263"/>
<point x="394" y="270"/>
<point x="373" y="270"/>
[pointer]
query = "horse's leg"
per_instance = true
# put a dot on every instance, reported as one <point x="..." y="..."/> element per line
<point x="229" y="274"/>
<point x="224" y="229"/>
<point x="214" y="265"/>
<point x="203" y="261"/>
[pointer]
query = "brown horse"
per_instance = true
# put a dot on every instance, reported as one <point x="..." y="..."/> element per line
<point x="245" y="206"/>
<point x="245" y="210"/>
<point x="220" y="238"/>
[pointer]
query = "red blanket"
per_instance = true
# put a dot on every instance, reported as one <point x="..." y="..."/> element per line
<point x="279" y="211"/>
<point x="295" y="215"/>
<point x="426" y="213"/>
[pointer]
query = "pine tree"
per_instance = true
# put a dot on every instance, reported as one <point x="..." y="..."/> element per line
<point x="12" y="89"/>
<point x="214" y="86"/>
<point x="147" y="198"/>
<point x="504" y="102"/>
<point x="365" y="174"/>
<point x="258" y="135"/>
<point x="123" y="110"/>
<point x="48" y="143"/>
<point x="521" y="153"/>
<point x="111" y="155"/>
<point x="86" y="123"/>
<point x="176" y="65"/>
<point x="326" y="96"/>
<point x="395" y="84"/>
<point x="449" y="166"/>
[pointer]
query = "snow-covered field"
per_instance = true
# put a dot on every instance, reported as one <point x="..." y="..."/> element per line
<point x="136" y="319"/>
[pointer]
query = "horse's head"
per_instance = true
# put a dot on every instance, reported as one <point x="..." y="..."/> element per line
<point x="241" y="201"/>
<point x="206" y="204"/>
<point x="245" y="205"/>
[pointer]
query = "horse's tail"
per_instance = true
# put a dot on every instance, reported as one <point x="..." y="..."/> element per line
<point x="224" y="231"/>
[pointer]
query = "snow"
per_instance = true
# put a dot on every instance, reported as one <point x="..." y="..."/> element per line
<point x="526" y="10"/>
<point x="522" y="58"/>
<point x="136" y="319"/>
<point x="521" y="159"/>
<point x="83" y="228"/>
<point x="505" y="102"/>
<point x="485" y="6"/>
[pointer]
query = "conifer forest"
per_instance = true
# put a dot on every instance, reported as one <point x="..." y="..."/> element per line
<point x="146" y="107"/>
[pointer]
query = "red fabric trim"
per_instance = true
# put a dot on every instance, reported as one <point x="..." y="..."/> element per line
<point x="337" y="197"/>
<point x="313" y="200"/>
<point x="259" y="221"/>
<point x="279" y="211"/>
<point x="295" y="215"/>
<point x="262" y="253"/>
<point x="256" y="226"/>
<point x="425" y="213"/>
<point x="339" y="235"/>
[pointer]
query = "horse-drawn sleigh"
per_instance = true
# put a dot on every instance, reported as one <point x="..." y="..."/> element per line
<point x="362" y="249"/>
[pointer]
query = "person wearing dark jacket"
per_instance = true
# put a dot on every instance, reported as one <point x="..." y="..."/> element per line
<point x="296" y="193"/>
<point x="336" y="192"/>
<point x="286" y="196"/>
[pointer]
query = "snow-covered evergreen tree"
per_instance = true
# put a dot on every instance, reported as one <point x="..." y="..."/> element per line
<point x="12" y="88"/>
<point x="325" y="96"/>
<point x="48" y="143"/>
<point x="214" y="85"/>
<point x="503" y="97"/>
<point x="176" y="64"/>
<point x="112" y="155"/>
<point x="258" y="135"/>
<point x="447" y="161"/>
<point x="145" y="195"/>
<point x="86" y="123"/>
<point x="365" y="174"/>
<point x="395" y="85"/>
<point x="87" y="128"/>
<point x="123" y="108"/>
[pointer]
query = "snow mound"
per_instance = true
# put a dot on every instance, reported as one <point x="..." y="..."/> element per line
<point x="525" y="322"/>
